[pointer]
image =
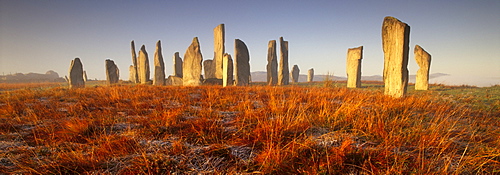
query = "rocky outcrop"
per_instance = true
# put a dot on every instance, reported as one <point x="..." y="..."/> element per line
<point x="295" y="74"/>
<point x="159" y="77"/>
<point x="354" y="56"/>
<point x="283" y="74"/>
<point x="143" y="66"/>
<point x="242" y="63"/>
<point x="310" y="75"/>
<point x="423" y="59"/>
<point x="395" y="42"/>
<point x="134" y="72"/>
<point x="219" y="49"/>
<point x="75" y="78"/>
<point x="112" y="72"/>
<point x="177" y="65"/>
<point x="192" y="64"/>
<point x="227" y="70"/>
<point x="174" y="81"/>
<point x="272" y="63"/>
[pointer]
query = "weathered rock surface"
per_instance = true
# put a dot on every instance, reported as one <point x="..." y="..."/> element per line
<point x="423" y="59"/>
<point x="143" y="66"/>
<point x="159" y="77"/>
<point x="112" y="72"/>
<point x="209" y="69"/>
<point x="219" y="49"/>
<point x="177" y="65"/>
<point x="135" y="75"/>
<point x="395" y="42"/>
<point x="310" y="75"/>
<point x="85" y="76"/>
<point x="354" y="56"/>
<point x="192" y="64"/>
<point x="242" y="63"/>
<point x="227" y="70"/>
<point x="272" y="63"/>
<point x="132" y="73"/>
<point x="174" y="81"/>
<point x="75" y="78"/>
<point x="295" y="74"/>
<point x="283" y="74"/>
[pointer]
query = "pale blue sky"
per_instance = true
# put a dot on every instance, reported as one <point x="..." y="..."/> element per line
<point x="462" y="36"/>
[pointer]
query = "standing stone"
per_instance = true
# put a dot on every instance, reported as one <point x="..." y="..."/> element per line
<point x="272" y="63"/>
<point x="192" y="64"/>
<point x="423" y="59"/>
<point x="177" y="65"/>
<point x="143" y="66"/>
<point x="132" y="74"/>
<point x="159" y="77"/>
<point x="85" y="76"/>
<point x="209" y="69"/>
<point x="227" y="70"/>
<point x="112" y="72"/>
<point x="395" y="41"/>
<point x="310" y="75"/>
<point x="242" y="63"/>
<point x="76" y="74"/>
<point x="219" y="49"/>
<point x="283" y="74"/>
<point x="354" y="56"/>
<point x="295" y="74"/>
<point x="135" y="76"/>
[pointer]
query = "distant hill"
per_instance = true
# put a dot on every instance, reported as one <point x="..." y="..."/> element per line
<point x="261" y="76"/>
<point x="49" y="76"/>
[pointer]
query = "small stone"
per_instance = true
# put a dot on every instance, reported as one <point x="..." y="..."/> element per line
<point x="112" y="72"/>
<point x="227" y="69"/>
<point x="310" y="75"/>
<point x="354" y="56"/>
<point x="295" y="74"/>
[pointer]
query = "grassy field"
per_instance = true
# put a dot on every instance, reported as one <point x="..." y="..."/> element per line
<point x="306" y="128"/>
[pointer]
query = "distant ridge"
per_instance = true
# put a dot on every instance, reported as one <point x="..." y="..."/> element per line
<point x="261" y="76"/>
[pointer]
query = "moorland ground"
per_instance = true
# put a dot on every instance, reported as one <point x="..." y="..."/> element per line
<point x="310" y="128"/>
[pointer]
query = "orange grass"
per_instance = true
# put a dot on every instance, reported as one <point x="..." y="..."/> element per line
<point x="260" y="129"/>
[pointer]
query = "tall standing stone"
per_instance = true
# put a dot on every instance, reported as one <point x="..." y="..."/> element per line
<point x="143" y="66"/>
<point x="134" y="71"/>
<point x="159" y="77"/>
<point x="177" y="65"/>
<point x="192" y="64"/>
<point x="354" y="56"/>
<point x="209" y="69"/>
<point x="227" y="70"/>
<point x="76" y="74"/>
<point x="283" y="74"/>
<point x="242" y="63"/>
<point x="112" y="72"/>
<point x="219" y="49"/>
<point x="395" y="41"/>
<point x="272" y="63"/>
<point x="423" y="59"/>
<point x="310" y="75"/>
<point x="295" y="74"/>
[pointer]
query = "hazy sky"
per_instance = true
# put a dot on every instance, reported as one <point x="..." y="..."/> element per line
<point x="463" y="36"/>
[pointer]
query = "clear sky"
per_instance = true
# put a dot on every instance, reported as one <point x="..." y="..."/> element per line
<point x="463" y="36"/>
